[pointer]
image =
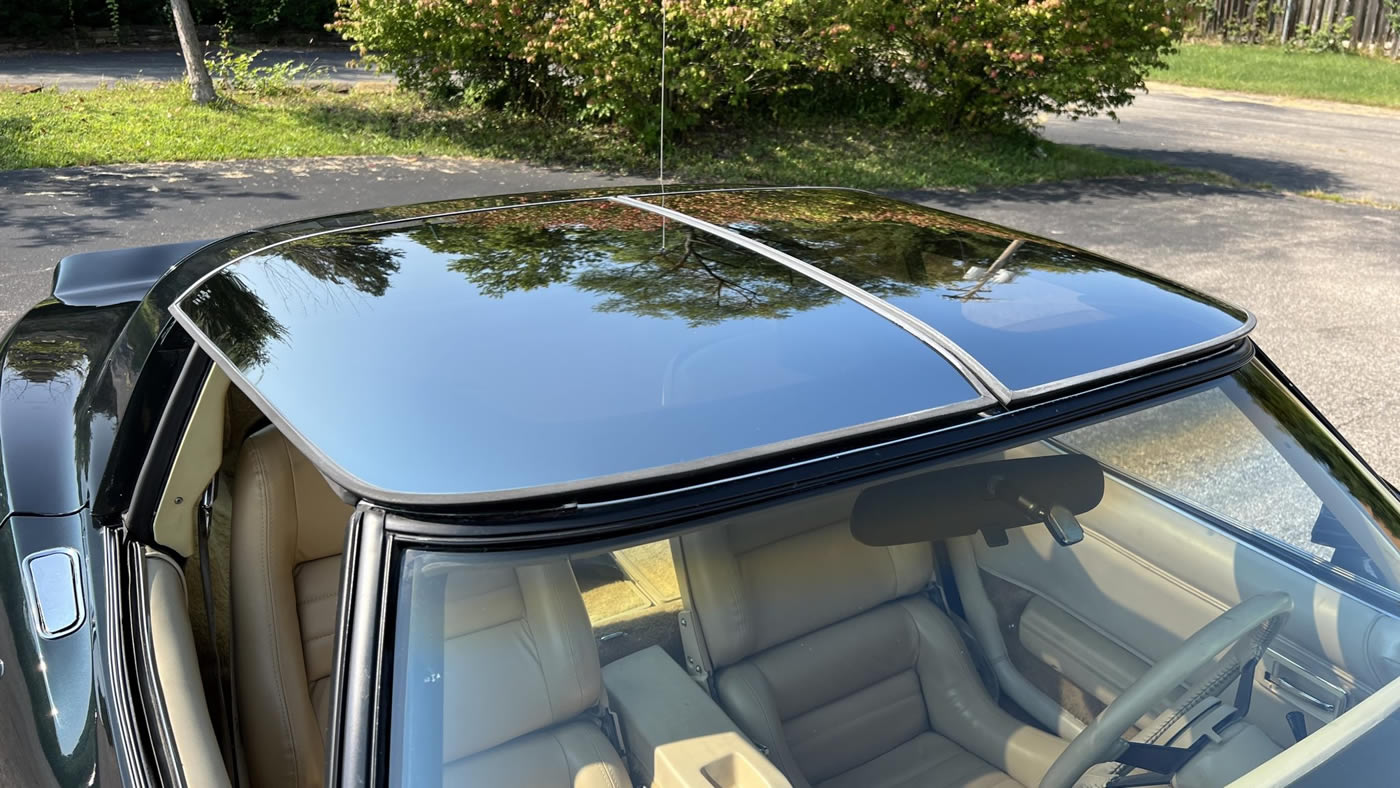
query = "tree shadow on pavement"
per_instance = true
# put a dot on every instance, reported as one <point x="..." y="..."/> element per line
<point x="1249" y="170"/>
<point x="77" y="205"/>
<point x="1084" y="191"/>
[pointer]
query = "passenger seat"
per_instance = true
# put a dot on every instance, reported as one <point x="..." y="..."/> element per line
<point x="520" y="682"/>
<point x="288" y="534"/>
<point x="520" y="668"/>
<point x="828" y="654"/>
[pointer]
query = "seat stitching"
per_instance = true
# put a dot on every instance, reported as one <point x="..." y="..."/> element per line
<point x="894" y="572"/>
<point x="319" y="598"/>
<point x="572" y="645"/>
<point x="918" y="641"/>
<point x="738" y="609"/>
<point x="865" y="715"/>
<point x="774" y="728"/>
<point x="602" y="759"/>
<point x="859" y="690"/>
<point x="261" y="473"/>
<point x="563" y="753"/>
<point x="921" y="767"/>
<point x="534" y="645"/>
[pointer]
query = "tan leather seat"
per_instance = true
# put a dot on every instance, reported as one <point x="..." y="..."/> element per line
<point x="520" y="669"/>
<point x="827" y="653"/>
<point x="288" y="535"/>
<point x="520" y="682"/>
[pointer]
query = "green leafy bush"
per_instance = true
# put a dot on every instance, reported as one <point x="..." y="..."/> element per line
<point x="720" y="55"/>
<point x="944" y="63"/>
<point x="449" y="48"/>
<point x="1332" y="37"/>
<point x="237" y="71"/>
<point x="992" y="62"/>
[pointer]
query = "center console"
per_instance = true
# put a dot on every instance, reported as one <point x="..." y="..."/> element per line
<point x="676" y="735"/>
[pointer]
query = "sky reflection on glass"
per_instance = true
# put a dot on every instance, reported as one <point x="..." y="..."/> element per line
<point x="538" y="346"/>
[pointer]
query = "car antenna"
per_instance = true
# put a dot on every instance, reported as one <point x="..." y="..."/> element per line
<point x="661" y="136"/>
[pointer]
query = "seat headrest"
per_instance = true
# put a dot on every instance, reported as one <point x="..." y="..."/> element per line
<point x="768" y="578"/>
<point x="295" y="494"/>
<point x="518" y="654"/>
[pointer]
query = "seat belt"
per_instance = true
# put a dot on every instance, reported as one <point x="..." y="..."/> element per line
<point x="944" y="584"/>
<point x="608" y="720"/>
<point x="228" y="715"/>
<point x="943" y="592"/>
<point x="697" y="654"/>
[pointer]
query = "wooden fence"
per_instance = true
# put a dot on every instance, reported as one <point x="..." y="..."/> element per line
<point x="1375" y="24"/>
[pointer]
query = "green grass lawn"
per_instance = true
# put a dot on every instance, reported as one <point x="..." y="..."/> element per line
<point x="135" y="123"/>
<point x="1272" y="70"/>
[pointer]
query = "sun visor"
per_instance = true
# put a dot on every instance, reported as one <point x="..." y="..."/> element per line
<point x="986" y="496"/>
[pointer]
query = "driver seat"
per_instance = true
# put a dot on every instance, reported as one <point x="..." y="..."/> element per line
<point x="520" y="667"/>
<point x="827" y="653"/>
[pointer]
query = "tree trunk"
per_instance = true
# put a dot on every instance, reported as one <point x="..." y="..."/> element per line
<point x="201" y="87"/>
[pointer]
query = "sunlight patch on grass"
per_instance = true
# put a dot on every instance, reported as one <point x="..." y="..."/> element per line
<point x="1274" y="71"/>
<point x="1318" y="194"/>
<point x="144" y="123"/>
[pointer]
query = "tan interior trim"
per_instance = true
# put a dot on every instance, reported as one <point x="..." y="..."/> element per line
<point x="1085" y="657"/>
<point x="177" y="672"/>
<point x="196" y="461"/>
<point x="720" y="760"/>
<point x="660" y="708"/>
<point x="1307" y="754"/>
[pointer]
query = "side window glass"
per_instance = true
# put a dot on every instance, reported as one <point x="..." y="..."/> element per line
<point x="1202" y="449"/>
<point x="1251" y="455"/>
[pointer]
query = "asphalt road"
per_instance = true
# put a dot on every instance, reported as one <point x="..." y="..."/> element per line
<point x="1293" y="145"/>
<point x="86" y="70"/>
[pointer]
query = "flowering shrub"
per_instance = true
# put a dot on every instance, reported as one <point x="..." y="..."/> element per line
<point x="948" y="63"/>
<point x="450" y="47"/>
<point x="991" y="62"/>
<point x="720" y="54"/>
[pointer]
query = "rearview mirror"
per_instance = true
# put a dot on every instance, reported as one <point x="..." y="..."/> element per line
<point x="989" y="497"/>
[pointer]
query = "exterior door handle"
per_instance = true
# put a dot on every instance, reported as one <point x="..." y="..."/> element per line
<point x="1303" y="695"/>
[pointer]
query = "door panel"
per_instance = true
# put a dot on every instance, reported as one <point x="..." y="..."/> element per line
<point x="1088" y="659"/>
<point x="1148" y="575"/>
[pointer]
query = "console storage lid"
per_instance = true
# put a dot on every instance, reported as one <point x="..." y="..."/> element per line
<point x="676" y="735"/>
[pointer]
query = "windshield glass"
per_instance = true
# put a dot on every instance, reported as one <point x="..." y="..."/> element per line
<point x="971" y="617"/>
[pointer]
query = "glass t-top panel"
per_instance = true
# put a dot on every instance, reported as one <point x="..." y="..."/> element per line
<point x="1035" y="313"/>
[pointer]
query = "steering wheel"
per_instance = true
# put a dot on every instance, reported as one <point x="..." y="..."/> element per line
<point x="1248" y="627"/>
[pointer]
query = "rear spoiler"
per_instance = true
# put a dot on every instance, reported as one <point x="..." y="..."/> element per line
<point x="116" y="276"/>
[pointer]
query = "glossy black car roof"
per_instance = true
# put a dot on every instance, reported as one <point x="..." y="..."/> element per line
<point x="527" y="346"/>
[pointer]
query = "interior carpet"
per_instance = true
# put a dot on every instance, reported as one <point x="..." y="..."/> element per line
<point x="651" y="567"/>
